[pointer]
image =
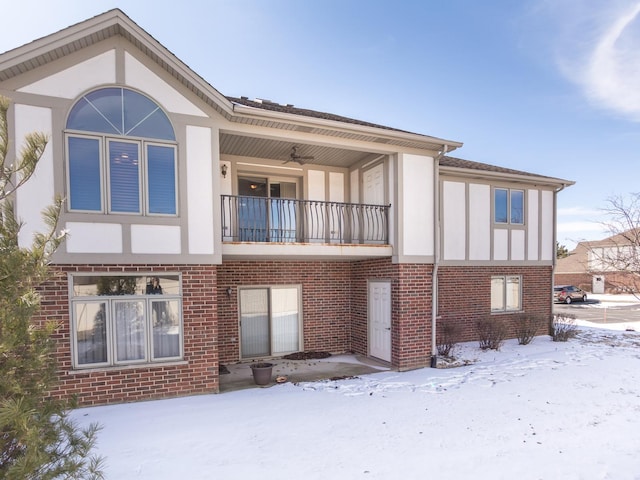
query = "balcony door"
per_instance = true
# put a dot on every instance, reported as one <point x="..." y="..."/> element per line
<point x="267" y="210"/>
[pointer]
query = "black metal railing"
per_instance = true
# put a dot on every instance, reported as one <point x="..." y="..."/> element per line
<point x="259" y="219"/>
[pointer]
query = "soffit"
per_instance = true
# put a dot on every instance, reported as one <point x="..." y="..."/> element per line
<point x="281" y="150"/>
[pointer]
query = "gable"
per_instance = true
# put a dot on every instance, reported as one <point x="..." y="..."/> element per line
<point x="102" y="69"/>
<point x="71" y="82"/>
<point x="139" y="76"/>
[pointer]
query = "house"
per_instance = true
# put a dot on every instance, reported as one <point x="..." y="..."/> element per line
<point x="207" y="229"/>
<point x="610" y="265"/>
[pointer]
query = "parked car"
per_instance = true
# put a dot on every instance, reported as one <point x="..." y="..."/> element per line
<point x="568" y="293"/>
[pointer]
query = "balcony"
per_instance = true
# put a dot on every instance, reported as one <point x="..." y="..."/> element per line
<point x="284" y="220"/>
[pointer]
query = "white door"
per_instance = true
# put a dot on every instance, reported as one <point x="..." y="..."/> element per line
<point x="372" y="194"/>
<point x="372" y="181"/>
<point x="380" y="320"/>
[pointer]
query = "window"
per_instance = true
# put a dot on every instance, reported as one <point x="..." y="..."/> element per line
<point x="508" y="206"/>
<point x="119" y="320"/>
<point x="506" y="293"/>
<point x="121" y="155"/>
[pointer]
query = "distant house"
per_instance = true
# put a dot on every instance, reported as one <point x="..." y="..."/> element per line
<point x="207" y="229"/>
<point x="603" y="266"/>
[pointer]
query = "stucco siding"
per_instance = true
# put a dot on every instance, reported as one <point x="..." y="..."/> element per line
<point x="479" y="222"/>
<point x="39" y="192"/>
<point x="454" y="220"/>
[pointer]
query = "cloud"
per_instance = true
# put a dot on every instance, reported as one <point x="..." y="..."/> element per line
<point x="596" y="44"/>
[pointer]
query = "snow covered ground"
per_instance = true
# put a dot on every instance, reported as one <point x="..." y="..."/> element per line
<point x="547" y="410"/>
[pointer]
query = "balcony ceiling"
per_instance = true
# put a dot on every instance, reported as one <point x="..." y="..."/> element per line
<point x="261" y="148"/>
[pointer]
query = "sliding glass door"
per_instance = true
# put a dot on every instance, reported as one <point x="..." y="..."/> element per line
<point x="270" y="320"/>
<point x="267" y="209"/>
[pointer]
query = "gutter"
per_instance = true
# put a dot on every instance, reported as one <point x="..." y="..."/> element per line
<point x="436" y="255"/>
<point x="377" y="131"/>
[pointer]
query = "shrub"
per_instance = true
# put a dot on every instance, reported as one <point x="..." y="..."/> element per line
<point x="492" y="333"/>
<point x="527" y="327"/>
<point x="563" y="327"/>
<point x="449" y="335"/>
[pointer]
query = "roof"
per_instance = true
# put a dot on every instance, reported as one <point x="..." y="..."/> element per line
<point x="461" y="164"/>
<point x="288" y="108"/>
<point x="238" y="110"/>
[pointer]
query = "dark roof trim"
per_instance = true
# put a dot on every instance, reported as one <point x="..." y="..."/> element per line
<point x="277" y="107"/>
<point x="468" y="165"/>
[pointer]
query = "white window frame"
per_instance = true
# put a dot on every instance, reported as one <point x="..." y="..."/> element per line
<point x="107" y="177"/>
<point x="105" y="173"/>
<point x="110" y="323"/>
<point x="504" y="294"/>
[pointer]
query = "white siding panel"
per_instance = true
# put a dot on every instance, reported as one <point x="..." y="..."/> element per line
<point x="38" y="193"/>
<point x="355" y="186"/>
<point x="316" y="192"/>
<point x="479" y="222"/>
<point x="547" y="249"/>
<point x="140" y="77"/>
<point x="336" y="194"/>
<point x="73" y="81"/>
<point x="200" y="190"/>
<point x="533" y="224"/>
<point x="500" y="244"/>
<point x="316" y="185"/>
<point x="517" y="244"/>
<point x="94" y="237"/>
<point x="336" y="187"/>
<point x="454" y="220"/>
<point x="163" y="239"/>
<point x="226" y="183"/>
<point x="417" y="200"/>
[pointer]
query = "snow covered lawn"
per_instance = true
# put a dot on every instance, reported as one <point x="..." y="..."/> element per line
<point x="542" y="411"/>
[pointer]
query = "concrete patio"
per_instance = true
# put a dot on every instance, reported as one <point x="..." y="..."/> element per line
<point x="336" y="366"/>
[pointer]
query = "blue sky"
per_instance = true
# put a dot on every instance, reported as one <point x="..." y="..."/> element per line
<point x="546" y="86"/>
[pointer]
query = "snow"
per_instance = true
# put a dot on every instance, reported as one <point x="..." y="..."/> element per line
<point x="547" y="410"/>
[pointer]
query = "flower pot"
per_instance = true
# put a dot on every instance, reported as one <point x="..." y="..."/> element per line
<point x="261" y="373"/>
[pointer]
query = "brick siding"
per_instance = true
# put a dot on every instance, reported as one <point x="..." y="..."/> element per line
<point x="464" y="295"/>
<point x="198" y="373"/>
<point x="334" y="305"/>
<point x="326" y="302"/>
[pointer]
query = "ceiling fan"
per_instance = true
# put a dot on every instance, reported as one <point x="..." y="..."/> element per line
<point x="297" y="158"/>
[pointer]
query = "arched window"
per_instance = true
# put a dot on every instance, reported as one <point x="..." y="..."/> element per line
<point x="121" y="155"/>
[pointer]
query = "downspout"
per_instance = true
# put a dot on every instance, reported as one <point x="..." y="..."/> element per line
<point x="436" y="256"/>
<point x="555" y="236"/>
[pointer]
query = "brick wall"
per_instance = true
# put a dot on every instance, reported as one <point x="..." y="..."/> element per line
<point x="326" y="301"/>
<point x="582" y="280"/>
<point x="334" y="302"/>
<point x="464" y="295"/>
<point x="198" y="373"/>
<point x="411" y="288"/>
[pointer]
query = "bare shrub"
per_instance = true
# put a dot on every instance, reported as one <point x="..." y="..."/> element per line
<point x="527" y="326"/>
<point x="563" y="327"/>
<point x="492" y="333"/>
<point x="449" y="335"/>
